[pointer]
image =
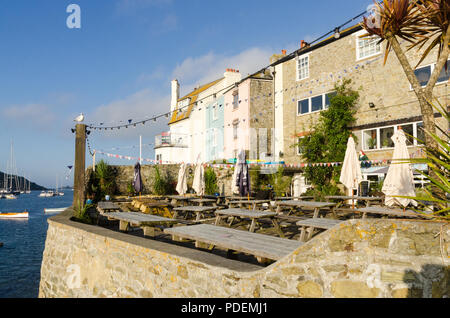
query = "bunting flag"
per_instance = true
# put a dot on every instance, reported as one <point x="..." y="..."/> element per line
<point x="69" y="172"/>
<point x="254" y="163"/>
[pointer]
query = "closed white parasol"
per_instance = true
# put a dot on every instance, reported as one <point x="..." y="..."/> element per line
<point x="182" y="182"/>
<point x="351" y="174"/>
<point x="199" y="179"/>
<point x="399" y="179"/>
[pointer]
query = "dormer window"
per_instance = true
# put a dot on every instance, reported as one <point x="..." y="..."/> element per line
<point x="183" y="104"/>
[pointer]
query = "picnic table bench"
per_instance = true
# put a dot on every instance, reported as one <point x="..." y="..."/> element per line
<point x="147" y="222"/>
<point x="198" y="210"/>
<point x="388" y="212"/>
<point x="106" y="206"/>
<point x="176" y="200"/>
<point x="316" y="206"/>
<point x="259" y="245"/>
<point x="253" y="215"/>
<point x="236" y="198"/>
<point x="204" y="201"/>
<point x="293" y="198"/>
<point x="355" y="199"/>
<point x="243" y="203"/>
<point x="311" y="224"/>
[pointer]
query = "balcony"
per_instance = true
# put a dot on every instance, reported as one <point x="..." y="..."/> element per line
<point x="168" y="139"/>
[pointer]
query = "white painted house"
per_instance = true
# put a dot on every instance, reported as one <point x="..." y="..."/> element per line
<point x="187" y="137"/>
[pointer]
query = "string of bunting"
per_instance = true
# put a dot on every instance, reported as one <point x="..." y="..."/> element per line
<point x="253" y="163"/>
<point x="324" y="79"/>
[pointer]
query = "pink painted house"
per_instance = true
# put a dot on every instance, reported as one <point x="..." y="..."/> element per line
<point x="248" y="117"/>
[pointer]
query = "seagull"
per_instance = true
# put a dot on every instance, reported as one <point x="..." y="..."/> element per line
<point x="80" y="118"/>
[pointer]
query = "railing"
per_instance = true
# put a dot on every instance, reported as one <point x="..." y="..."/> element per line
<point x="168" y="139"/>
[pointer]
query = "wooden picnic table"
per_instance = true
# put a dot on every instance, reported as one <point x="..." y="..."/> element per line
<point x="236" y="198"/>
<point x="293" y="198"/>
<point x="147" y="222"/>
<point x="198" y="210"/>
<point x="202" y="202"/>
<point x="309" y="225"/>
<point x="176" y="199"/>
<point x="316" y="206"/>
<point x="388" y="212"/>
<point x="259" y="245"/>
<point x="253" y="215"/>
<point x="343" y="198"/>
<point x="243" y="203"/>
<point x="107" y="206"/>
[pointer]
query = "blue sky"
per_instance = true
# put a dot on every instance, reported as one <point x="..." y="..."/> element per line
<point x="119" y="65"/>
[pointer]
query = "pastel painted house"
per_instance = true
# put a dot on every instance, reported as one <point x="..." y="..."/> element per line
<point x="188" y="138"/>
<point x="248" y="118"/>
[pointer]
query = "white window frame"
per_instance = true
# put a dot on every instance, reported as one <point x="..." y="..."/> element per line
<point x="324" y="98"/>
<point x="378" y="147"/>
<point x="358" y="39"/>
<point x="297" y="60"/>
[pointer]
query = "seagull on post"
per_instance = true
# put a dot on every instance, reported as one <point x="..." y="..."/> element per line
<point x="80" y="118"/>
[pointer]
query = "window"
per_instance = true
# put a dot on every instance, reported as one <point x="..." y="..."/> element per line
<point x="385" y="137"/>
<point x="367" y="46"/>
<point x="409" y="133"/>
<point x="423" y="74"/>
<point x="235" y="130"/>
<point x="158" y="157"/>
<point x="214" y="143"/>
<point x="370" y="139"/>
<point x="303" y="106"/>
<point x="328" y="99"/>
<point x="235" y="99"/>
<point x="420" y="134"/>
<point x="303" y="67"/>
<point x="381" y="138"/>
<point x="314" y="104"/>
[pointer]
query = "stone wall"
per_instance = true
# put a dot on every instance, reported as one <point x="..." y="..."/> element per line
<point x="125" y="175"/>
<point x="360" y="258"/>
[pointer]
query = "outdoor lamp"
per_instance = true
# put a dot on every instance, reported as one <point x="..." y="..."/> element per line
<point x="337" y="33"/>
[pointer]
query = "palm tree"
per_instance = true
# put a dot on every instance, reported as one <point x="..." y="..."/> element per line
<point x="420" y="23"/>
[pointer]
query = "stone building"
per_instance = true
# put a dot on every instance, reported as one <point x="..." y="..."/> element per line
<point x="304" y="83"/>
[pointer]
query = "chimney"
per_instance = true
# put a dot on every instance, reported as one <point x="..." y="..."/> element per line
<point x="303" y="44"/>
<point x="231" y="76"/>
<point x="175" y="95"/>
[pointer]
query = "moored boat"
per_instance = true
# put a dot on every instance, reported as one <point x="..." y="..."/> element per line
<point x="14" y="215"/>
<point x="10" y="196"/>
<point x="55" y="210"/>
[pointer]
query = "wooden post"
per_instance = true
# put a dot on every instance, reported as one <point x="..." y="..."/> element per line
<point x="79" y="174"/>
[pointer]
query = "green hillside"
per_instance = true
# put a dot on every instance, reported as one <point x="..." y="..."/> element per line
<point x="33" y="185"/>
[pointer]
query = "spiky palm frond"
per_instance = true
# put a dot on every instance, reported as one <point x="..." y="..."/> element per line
<point x="396" y="18"/>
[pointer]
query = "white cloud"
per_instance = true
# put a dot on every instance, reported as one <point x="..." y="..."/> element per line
<point x="211" y="66"/>
<point x="38" y="115"/>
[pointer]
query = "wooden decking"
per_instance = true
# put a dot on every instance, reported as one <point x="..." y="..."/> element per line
<point x="259" y="245"/>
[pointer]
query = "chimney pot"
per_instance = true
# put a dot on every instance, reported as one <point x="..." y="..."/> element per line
<point x="283" y="52"/>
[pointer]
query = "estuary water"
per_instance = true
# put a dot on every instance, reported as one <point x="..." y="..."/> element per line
<point x="24" y="242"/>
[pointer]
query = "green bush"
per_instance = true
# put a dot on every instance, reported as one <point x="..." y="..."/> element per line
<point x="102" y="181"/>
<point x="210" y="181"/>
